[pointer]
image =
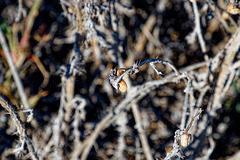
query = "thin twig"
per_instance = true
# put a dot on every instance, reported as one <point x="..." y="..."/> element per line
<point x="29" y="23"/>
<point x="21" y="130"/>
<point x="79" y="116"/>
<point x="143" y="39"/>
<point x="198" y="30"/>
<point x="186" y="104"/>
<point x="190" y="125"/>
<point x="154" y="61"/>
<point x="141" y="132"/>
<point x="16" y="77"/>
<point x="114" y="80"/>
<point x="231" y="51"/>
<point x="57" y="124"/>
<point x="20" y="11"/>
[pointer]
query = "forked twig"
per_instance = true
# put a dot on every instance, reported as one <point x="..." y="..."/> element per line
<point x="20" y="129"/>
<point x="114" y="80"/>
<point x="198" y="30"/>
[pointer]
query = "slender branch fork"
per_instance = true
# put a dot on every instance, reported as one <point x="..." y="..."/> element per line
<point x="198" y="30"/>
<point x="114" y="80"/>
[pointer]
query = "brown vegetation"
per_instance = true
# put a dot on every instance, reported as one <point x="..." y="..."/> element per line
<point x="89" y="79"/>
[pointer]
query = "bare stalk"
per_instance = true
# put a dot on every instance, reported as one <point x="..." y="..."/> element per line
<point x="186" y="103"/>
<point x="141" y="132"/>
<point x="198" y="30"/>
<point x="20" y="129"/>
<point x="20" y="11"/>
<point x="16" y="77"/>
<point x="231" y="51"/>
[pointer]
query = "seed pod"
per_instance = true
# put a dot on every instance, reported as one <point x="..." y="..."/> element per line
<point x="185" y="139"/>
<point x="225" y="15"/>
<point x="122" y="86"/>
<point x="232" y="9"/>
<point x="121" y="71"/>
<point x="70" y="9"/>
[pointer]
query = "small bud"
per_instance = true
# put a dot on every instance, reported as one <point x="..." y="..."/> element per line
<point x="225" y="15"/>
<point x="232" y="9"/>
<point x="185" y="139"/>
<point x="70" y="9"/>
<point x="121" y="71"/>
<point x="122" y="86"/>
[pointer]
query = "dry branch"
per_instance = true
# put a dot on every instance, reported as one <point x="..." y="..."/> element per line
<point x="16" y="77"/>
<point x="21" y="131"/>
<point x="231" y="50"/>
